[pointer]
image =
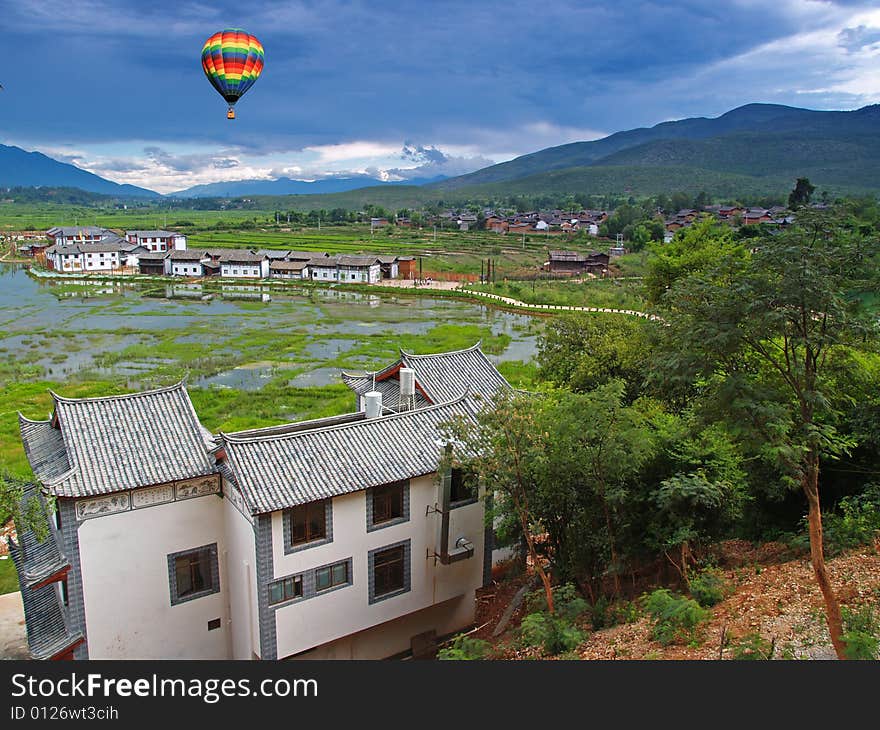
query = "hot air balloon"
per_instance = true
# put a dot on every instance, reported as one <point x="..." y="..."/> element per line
<point x="232" y="59"/>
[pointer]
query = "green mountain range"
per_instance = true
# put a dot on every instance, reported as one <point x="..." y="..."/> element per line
<point x="754" y="150"/>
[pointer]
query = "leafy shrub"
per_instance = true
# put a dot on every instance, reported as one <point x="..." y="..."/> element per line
<point x="752" y="647"/>
<point x="862" y="632"/>
<point x="624" y="612"/>
<point x="708" y="587"/>
<point x="554" y="633"/>
<point x="465" y="647"/>
<point x="676" y="618"/>
<point x="855" y="521"/>
<point x="599" y="614"/>
<point x="566" y="602"/>
<point x="604" y="614"/>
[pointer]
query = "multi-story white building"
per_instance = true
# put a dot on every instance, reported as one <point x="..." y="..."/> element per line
<point x="105" y="255"/>
<point x="66" y="235"/>
<point x="157" y="241"/>
<point x="336" y="537"/>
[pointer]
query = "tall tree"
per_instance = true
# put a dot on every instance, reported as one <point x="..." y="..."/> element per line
<point x="758" y="331"/>
<point x="501" y="449"/>
<point x="801" y="194"/>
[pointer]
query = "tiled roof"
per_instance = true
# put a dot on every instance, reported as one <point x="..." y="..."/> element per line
<point x="40" y="560"/>
<point x="75" y="230"/>
<point x="233" y="256"/>
<point x="153" y="256"/>
<point x="152" y="234"/>
<point x="188" y="255"/>
<point x="287" y="265"/>
<point x="47" y="633"/>
<point x="440" y="377"/>
<point x="346" y="260"/>
<point x="390" y="390"/>
<point x="279" y="470"/>
<point x="273" y="254"/>
<point x="307" y="255"/>
<point x="44" y="448"/>
<point x="446" y="374"/>
<point x="125" y="441"/>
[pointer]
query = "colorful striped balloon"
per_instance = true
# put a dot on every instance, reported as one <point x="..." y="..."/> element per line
<point x="232" y="60"/>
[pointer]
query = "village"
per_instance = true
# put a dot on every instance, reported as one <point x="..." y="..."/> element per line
<point x="93" y="249"/>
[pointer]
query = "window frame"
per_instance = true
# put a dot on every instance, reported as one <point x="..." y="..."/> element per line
<point x="288" y="525"/>
<point x="371" y="495"/>
<point x="463" y="475"/>
<point x="405" y="546"/>
<point x="211" y="570"/>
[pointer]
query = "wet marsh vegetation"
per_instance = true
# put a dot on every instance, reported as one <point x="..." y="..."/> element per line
<point x="252" y="356"/>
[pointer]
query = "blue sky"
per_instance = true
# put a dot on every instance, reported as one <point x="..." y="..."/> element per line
<point x="404" y="89"/>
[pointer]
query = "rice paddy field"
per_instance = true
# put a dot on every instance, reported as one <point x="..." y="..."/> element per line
<point x="251" y="356"/>
<point x="442" y="249"/>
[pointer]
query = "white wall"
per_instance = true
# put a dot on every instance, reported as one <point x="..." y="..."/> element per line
<point x="314" y="621"/>
<point x="126" y="584"/>
<point x="241" y="582"/>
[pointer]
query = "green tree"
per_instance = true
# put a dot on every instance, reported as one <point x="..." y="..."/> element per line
<point x="757" y="333"/>
<point x="501" y="449"/>
<point x="583" y="351"/>
<point x="693" y="249"/>
<point x="801" y="194"/>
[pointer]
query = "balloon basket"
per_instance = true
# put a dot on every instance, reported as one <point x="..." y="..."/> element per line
<point x="231" y="113"/>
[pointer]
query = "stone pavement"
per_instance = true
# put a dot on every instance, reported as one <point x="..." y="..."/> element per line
<point x="13" y="638"/>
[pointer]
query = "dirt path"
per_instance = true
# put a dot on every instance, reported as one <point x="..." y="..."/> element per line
<point x="13" y="638"/>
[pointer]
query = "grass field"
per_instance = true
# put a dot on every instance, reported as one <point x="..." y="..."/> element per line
<point x="8" y="577"/>
<point x="625" y="294"/>
<point x="441" y="249"/>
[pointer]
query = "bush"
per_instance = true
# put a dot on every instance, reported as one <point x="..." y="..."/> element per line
<point x="554" y="633"/>
<point x="676" y="618"/>
<point x="465" y="648"/>
<point x="566" y="602"/>
<point x="752" y="647"/>
<point x="856" y="521"/>
<point x="862" y="631"/>
<point x="708" y="587"/>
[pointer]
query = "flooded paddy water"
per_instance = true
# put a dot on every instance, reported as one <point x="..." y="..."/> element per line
<point x="240" y="337"/>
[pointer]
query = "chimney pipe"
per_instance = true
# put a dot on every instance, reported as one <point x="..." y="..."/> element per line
<point x="373" y="401"/>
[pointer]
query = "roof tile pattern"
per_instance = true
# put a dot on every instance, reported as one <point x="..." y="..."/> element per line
<point x="277" y="470"/>
<point x="126" y="441"/>
<point x="441" y="376"/>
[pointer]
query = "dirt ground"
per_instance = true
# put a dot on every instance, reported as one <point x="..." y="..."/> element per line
<point x="772" y="595"/>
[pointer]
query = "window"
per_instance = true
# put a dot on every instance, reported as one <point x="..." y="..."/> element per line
<point x="464" y="486"/>
<point x="308" y="522"/>
<point x="387" y="504"/>
<point x="331" y="576"/>
<point x="389" y="571"/>
<point x="193" y="573"/>
<point x="286" y="589"/>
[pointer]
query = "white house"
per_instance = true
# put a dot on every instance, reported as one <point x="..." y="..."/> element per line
<point x="331" y="538"/>
<point x="186" y="263"/>
<point x="289" y="269"/>
<point x="66" y="235"/>
<point x="157" y="241"/>
<point x="345" y="268"/>
<point x="105" y="255"/>
<point x="235" y="264"/>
